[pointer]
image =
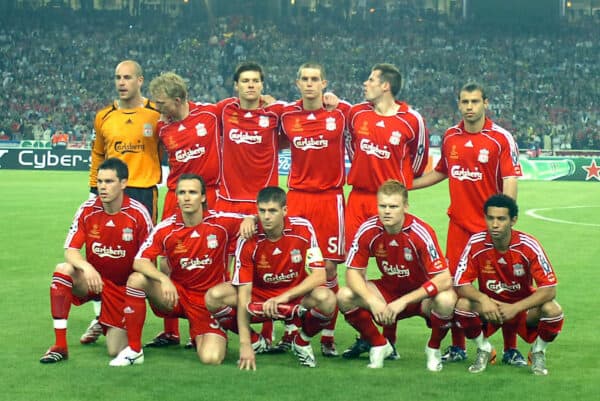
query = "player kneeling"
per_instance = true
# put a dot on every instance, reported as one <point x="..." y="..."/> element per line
<point x="112" y="227"/>
<point x="195" y="246"/>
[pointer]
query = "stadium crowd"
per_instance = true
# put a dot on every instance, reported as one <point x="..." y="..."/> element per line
<point x="542" y="83"/>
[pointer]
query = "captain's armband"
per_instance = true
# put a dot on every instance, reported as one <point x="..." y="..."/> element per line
<point x="430" y="288"/>
<point x="314" y="257"/>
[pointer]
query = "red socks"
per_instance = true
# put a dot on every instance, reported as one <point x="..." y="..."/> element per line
<point x="362" y="321"/>
<point x="469" y="325"/>
<point x="439" y="328"/>
<point x="550" y="327"/>
<point x="327" y="337"/>
<point x="61" y="296"/>
<point x="314" y="321"/>
<point x="227" y="318"/>
<point x="135" y="316"/>
<point x="171" y="325"/>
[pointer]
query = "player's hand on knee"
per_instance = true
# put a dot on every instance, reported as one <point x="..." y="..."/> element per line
<point x="169" y="293"/>
<point x="93" y="280"/>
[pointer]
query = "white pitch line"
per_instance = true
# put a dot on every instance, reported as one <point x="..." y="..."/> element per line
<point x="534" y="213"/>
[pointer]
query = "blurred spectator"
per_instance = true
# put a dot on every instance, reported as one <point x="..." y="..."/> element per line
<point x="60" y="139"/>
<point x="435" y="140"/>
<point x="54" y="70"/>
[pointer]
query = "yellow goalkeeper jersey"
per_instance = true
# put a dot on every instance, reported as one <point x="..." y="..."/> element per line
<point x="130" y="135"/>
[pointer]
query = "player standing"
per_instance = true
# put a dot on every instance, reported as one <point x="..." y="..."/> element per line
<point x="189" y="132"/>
<point x="480" y="159"/>
<point x="250" y="142"/>
<point x="126" y="129"/>
<point x="388" y="140"/>
<point x="250" y="146"/>
<point x="317" y="174"/>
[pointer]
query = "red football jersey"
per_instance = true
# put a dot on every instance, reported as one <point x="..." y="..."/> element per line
<point x="508" y="276"/>
<point x="406" y="260"/>
<point x="193" y="144"/>
<point x="386" y="147"/>
<point x="250" y="149"/>
<point x="275" y="266"/>
<point x="317" y="147"/>
<point x="475" y="165"/>
<point x="197" y="255"/>
<point x="111" y="240"/>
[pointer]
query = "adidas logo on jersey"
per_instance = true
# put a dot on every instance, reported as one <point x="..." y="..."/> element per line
<point x="277" y="251"/>
<point x="110" y="223"/>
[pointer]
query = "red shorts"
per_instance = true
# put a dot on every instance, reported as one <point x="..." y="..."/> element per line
<point x="191" y="307"/>
<point x="361" y="206"/>
<point x="224" y="205"/>
<point x="170" y="203"/>
<point x="325" y="210"/>
<point x="390" y="296"/>
<point x="113" y="302"/>
<point x="455" y="245"/>
<point x="262" y="294"/>
<point x="529" y="334"/>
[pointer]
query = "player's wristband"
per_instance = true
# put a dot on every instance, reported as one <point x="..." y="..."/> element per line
<point x="430" y="288"/>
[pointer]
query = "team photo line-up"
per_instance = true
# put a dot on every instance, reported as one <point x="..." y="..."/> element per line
<point x="223" y="208"/>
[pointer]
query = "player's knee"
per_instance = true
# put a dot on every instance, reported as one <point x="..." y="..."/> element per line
<point x="463" y="304"/>
<point x="325" y="299"/>
<point x="216" y="296"/>
<point x="551" y="309"/>
<point x="211" y="300"/>
<point x="444" y="302"/>
<point x="345" y="297"/>
<point x="212" y="356"/>
<point x="321" y="294"/>
<point x="136" y="280"/>
<point x="64" y="268"/>
<point x="211" y="359"/>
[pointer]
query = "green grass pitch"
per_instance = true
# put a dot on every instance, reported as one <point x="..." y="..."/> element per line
<point x="36" y="209"/>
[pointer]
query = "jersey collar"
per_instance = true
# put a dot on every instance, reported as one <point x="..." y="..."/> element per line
<point x="487" y="126"/>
